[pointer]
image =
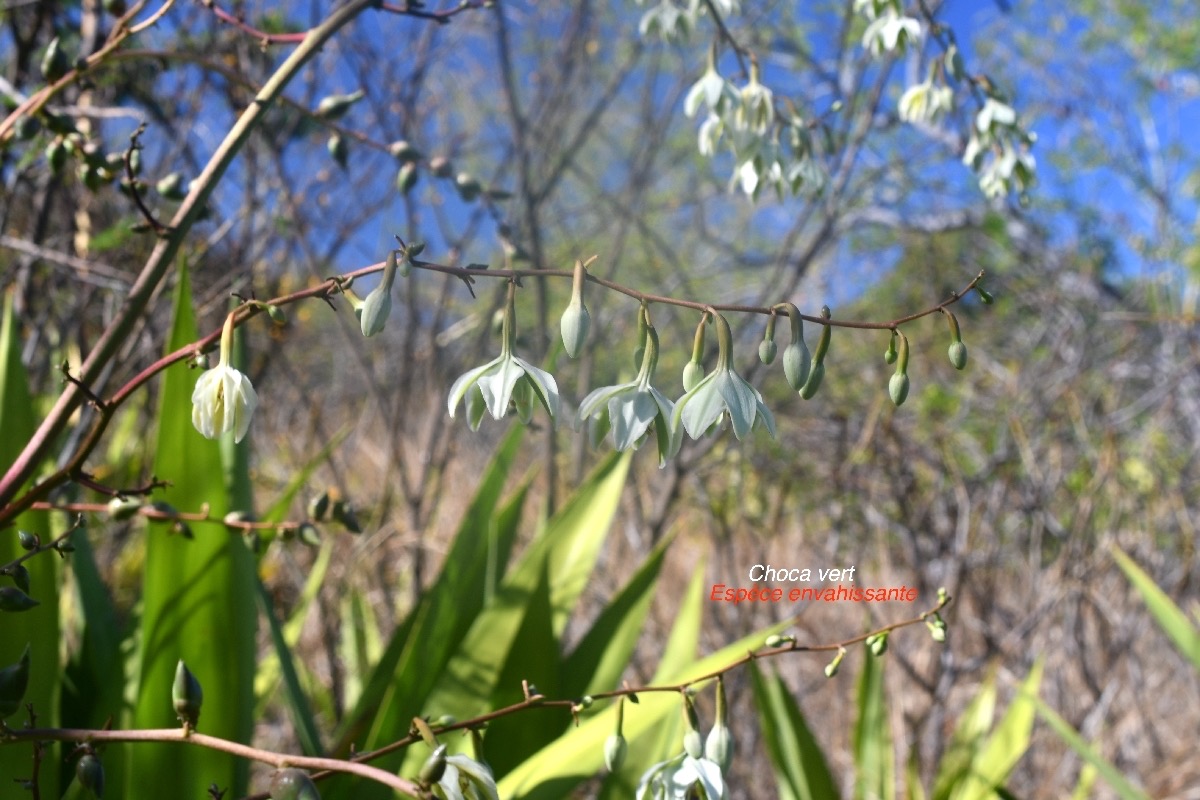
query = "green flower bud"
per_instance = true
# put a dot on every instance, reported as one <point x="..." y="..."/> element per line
<point x="468" y="187"/>
<point x="434" y="767"/>
<point x="64" y="546"/>
<point x="338" y="150"/>
<point x="889" y="355"/>
<point x="766" y="351"/>
<point x="56" y="156"/>
<point x="832" y="667"/>
<point x="444" y="721"/>
<point x="13" y="599"/>
<point x="718" y="747"/>
<point x="615" y="748"/>
<point x="985" y="296"/>
<point x="186" y="695"/>
<point x="576" y="320"/>
<point x="318" y="507"/>
<point x="276" y="314"/>
<point x="403" y="151"/>
<point x="937" y="627"/>
<point x="171" y="186"/>
<point x="336" y="105"/>
<point x="796" y="356"/>
<point x="441" y="167"/>
<point x="406" y="177"/>
<point x="293" y="784"/>
<point x="343" y="513"/>
<point x="376" y="310"/>
<point x="775" y="640"/>
<point x="90" y="773"/>
<point x="14" y="680"/>
<point x="122" y="508"/>
<point x="54" y="61"/>
<point x="958" y="354"/>
<point x="816" y="373"/>
<point x="878" y="643"/>
<point x="29" y="541"/>
<point x="20" y="577"/>
<point x="898" y="388"/>
<point x="942" y="595"/>
<point x="308" y="534"/>
<point x="692" y="375"/>
<point x="586" y="701"/>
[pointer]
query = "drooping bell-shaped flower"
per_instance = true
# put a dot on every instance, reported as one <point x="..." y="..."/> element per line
<point x="466" y="779"/>
<point x="224" y="399"/>
<point x="494" y="385"/>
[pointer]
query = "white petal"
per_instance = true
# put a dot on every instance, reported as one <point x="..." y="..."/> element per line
<point x="631" y="415"/>
<point x="497" y="385"/>
<point x="699" y="408"/>
<point x="543" y="385"/>
<point x="464" y="382"/>
<point x="597" y="399"/>
<point x="738" y="397"/>
<point x="243" y="400"/>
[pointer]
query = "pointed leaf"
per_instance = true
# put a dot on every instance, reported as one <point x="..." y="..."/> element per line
<point x="800" y="768"/>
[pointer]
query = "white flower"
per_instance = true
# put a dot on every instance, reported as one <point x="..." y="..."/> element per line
<point x="890" y="30"/>
<point x="629" y="409"/>
<point x="757" y="110"/>
<point x="466" y="779"/>
<point x="714" y="91"/>
<point x="675" y="779"/>
<point x="710" y="135"/>
<point x="994" y="113"/>
<point x="924" y="102"/>
<point x="224" y="399"/>
<point x="504" y="379"/>
<point x="722" y="391"/>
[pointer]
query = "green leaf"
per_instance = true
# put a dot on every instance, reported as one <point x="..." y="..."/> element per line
<point x="1111" y="775"/>
<point x="598" y="661"/>
<point x="1007" y="744"/>
<point x="197" y="600"/>
<point x="1168" y="615"/>
<point x="874" y="759"/>
<point x="556" y="770"/>
<point x="39" y="626"/>
<point x="567" y="551"/>
<point x="533" y="657"/>
<point x="419" y="649"/>
<point x="800" y="768"/>
<point x="966" y="740"/>
<point x="285" y="666"/>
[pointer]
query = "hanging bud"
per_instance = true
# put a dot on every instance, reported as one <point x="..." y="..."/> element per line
<point x="13" y="599"/>
<point x="898" y="385"/>
<point x="14" y="680"/>
<point x="615" y="746"/>
<point x="29" y="541"/>
<point x="343" y="513"/>
<point x="403" y="151"/>
<point x="643" y="328"/>
<point x="308" y="534"/>
<point x="877" y="643"/>
<point x="378" y="305"/>
<point x="693" y="745"/>
<point x="54" y="61"/>
<point x="434" y="767"/>
<point x="336" y="105"/>
<point x="985" y="296"/>
<point x="338" y="150"/>
<point x="795" y="355"/>
<point x="576" y="320"/>
<point x="767" y="348"/>
<point x="693" y="373"/>
<point x="718" y="747"/>
<point x="775" y="640"/>
<point x="186" y="696"/>
<point x="943" y="596"/>
<point x="90" y="773"/>
<point x="292" y="784"/>
<point x="937" y="627"/>
<point x="958" y="350"/>
<point x="441" y="167"/>
<point x="171" y="186"/>
<point x="406" y="177"/>
<point x="318" y="507"/>
<point x="276" y="314"/>
<point x="122" y="508"/>
<point x="816" y="372"/>
<point x="468" y="187"/>
<point x="832" y="667"/>
<point x="20" y="577"/>
<point x="889" y="355"/>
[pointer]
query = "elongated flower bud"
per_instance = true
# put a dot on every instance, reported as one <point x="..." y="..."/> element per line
<point x="889" y="355"/>
<point x="693" y="745"/>
<point x="898" y="385"/>
<point x="90" y="773"/>
<point x="958" y="350"/>
<point x="767" y="348"/>
<point x="615" y="748"/>
<point x="434" y="767"/>
<point x="14" y="680"/>
<point x="816" y="372"/>
<point x="576" y="320"/>
<point x="832" y="667"/>
<point x="694" y="371"/>
<point x="293" y="784"/>
<point x="718" y="747"/>
<point x="336" y="105"/>
<point x="795" y="355"/>
<point x="186" y="696"/>
<point x="13" y="599"/>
